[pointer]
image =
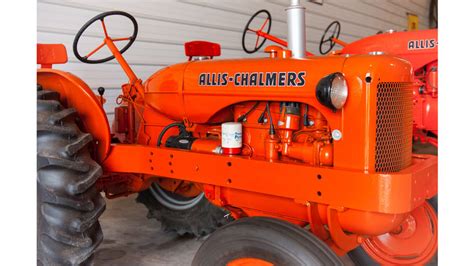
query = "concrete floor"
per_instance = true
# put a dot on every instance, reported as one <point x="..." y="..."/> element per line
<point x="132" y="239"/>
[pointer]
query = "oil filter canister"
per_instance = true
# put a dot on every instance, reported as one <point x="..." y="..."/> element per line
<point x="231" y="138"/>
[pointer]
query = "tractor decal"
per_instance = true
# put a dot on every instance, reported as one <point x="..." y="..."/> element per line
<point x="422" y="44"/>
<point x="254" y="79"/>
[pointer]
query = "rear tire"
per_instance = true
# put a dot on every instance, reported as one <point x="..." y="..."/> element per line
<point x="68" y="204"/>
<point x="264" y="239"/>
<point x="195" y="216"/>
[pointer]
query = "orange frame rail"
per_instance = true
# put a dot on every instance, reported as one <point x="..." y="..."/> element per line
<point x="392" y="193"/>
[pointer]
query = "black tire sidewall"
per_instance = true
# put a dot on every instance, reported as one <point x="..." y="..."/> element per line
<point x="278" y="243"/>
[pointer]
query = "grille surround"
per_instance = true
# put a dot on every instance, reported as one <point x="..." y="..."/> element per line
<point x="394" y="126"/>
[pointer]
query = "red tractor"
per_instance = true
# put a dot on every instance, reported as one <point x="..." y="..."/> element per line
<point x="302" y="159"/>
<point x="419" y="47"/>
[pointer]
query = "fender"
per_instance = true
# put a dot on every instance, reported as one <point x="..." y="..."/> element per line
<point x="77" y="94"/>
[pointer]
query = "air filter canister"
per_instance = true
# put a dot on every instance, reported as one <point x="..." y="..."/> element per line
<point x="231" y="138"/>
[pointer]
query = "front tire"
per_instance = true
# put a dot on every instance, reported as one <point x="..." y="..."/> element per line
<point x="265" y="241"/>
<point x="68" y="204"/>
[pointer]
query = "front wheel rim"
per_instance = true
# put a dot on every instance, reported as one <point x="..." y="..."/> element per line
<point x="414" y="242"/>
<point x="249" y="262"/>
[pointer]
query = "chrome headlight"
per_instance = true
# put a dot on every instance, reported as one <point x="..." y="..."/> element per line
<point x="332" y="91"/>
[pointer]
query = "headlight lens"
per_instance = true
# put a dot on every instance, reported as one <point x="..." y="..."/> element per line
<point x="332" y="91"/>
<point x="339" y="91"/>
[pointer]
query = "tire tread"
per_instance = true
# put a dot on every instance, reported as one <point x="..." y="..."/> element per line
<point x="68" y="203"/>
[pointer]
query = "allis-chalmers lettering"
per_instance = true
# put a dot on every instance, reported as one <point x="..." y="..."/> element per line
<point x="422" y="44"/>
<point x="254" y="79"/>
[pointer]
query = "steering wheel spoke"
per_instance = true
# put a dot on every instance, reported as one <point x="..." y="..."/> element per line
<point x="264" y="23"/>
<point x="94" y="51"/>
<point x="104" y="27"/>
<point x="327" y="40"/>
<point x="121" y="39"/>
<point x="256" y="42"/>
<point x="101" y="17"/>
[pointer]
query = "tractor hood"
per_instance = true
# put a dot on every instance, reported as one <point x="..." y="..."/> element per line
<point x="201" y="91"/>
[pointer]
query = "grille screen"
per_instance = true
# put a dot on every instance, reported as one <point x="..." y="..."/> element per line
<point x="394" y="126"/>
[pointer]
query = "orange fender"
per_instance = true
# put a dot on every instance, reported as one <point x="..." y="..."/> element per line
<point x="76" y="93"/>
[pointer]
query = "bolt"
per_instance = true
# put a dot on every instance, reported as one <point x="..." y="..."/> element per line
<point x="336" y="134"/>
<point x="311" y="122"/>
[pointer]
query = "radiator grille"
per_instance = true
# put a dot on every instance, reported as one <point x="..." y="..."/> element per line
<point x="394" y="126"/>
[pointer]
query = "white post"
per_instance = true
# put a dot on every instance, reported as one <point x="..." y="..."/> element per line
<point x="296" y="29"/>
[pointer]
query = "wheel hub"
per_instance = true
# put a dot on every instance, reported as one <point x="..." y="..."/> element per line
<point x="407" y="229"/>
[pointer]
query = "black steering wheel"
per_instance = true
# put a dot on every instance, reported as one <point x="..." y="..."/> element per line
<point x="268" y="21"/>
<point x="332" y="31"/>
<point x="101" y="17"/>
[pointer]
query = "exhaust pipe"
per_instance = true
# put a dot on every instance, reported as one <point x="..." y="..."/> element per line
<point x="296" y="29"/>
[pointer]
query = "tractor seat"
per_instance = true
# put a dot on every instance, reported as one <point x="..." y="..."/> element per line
<point x="49" y="54"/>
<point x="201" y="50"/>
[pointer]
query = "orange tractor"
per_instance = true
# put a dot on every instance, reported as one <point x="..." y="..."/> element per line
<point x="302" y="159"/>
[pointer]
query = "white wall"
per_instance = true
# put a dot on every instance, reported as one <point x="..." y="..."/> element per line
<point x="165" y="25"/>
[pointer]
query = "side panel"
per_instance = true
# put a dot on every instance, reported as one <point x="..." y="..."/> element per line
<point x="75" y="93"/>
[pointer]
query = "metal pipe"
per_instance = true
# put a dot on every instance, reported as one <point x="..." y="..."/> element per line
<point x="296" y="29"/>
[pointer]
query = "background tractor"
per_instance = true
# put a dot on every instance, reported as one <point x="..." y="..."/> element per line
<point x="302" y="158"/>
